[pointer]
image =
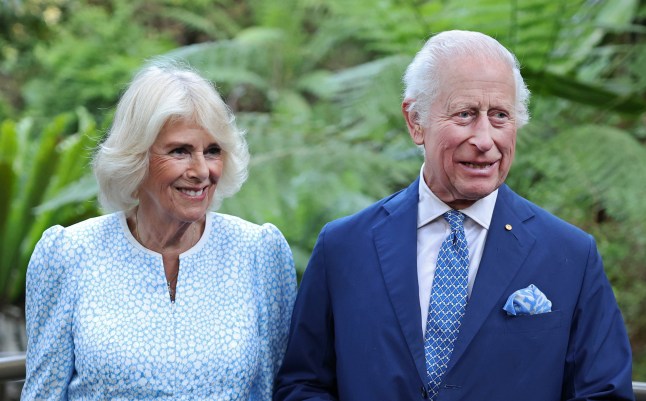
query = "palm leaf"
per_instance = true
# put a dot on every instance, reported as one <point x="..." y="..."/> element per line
<point x="29" y="190"/>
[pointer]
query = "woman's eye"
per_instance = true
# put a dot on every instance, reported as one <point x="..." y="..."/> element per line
<point x="179" y="152"/>
<point x="213" y="151"/>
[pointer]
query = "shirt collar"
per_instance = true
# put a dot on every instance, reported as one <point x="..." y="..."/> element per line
<point x="430" y="207"/>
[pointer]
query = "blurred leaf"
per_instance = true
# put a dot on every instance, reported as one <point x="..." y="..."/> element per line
<point x="76" y="192"/>
<point x="50" y="163"/>
<point x="572" y="89"/>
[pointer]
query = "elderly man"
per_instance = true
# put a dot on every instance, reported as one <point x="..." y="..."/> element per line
<point x="456" y="288"/>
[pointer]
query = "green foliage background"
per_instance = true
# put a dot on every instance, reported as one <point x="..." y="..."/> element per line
<point x="317" y="86"/>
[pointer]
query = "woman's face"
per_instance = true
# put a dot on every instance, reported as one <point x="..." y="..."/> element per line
<point x="184" y="168"/>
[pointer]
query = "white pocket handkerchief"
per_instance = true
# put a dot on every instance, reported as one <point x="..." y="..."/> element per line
<point x="527" y="301"/>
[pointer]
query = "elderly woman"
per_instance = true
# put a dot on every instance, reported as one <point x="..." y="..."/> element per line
<point x="161" y="299"/>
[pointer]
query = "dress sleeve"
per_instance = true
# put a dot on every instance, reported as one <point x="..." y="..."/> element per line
<point x="49" y="312"/>
<point x="276" y="291"/>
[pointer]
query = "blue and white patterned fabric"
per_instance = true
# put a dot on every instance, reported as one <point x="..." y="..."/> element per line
<point x="448" y="301"/>
<point x="527" y="301"/>
<point x="100" y="324"/>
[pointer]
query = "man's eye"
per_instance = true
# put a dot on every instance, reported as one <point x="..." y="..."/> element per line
<point x="464" y="114"/>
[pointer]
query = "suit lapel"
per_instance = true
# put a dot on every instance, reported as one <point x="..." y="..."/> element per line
<point x="508" y="244"/>
<point x="395" y="239"/>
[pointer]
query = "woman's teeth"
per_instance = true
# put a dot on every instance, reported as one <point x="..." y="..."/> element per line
<point x="190" y="192"/>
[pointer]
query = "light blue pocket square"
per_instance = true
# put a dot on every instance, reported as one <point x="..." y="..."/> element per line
<point x="527" y="301"/>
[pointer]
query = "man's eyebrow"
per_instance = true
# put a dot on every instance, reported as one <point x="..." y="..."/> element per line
<point x="459" y="105"/>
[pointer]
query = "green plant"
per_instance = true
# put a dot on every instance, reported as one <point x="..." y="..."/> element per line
<point x="34" y="170"/>
<point x="317" y="84"/>
<point x="579" y="72"/>
<point x="92" y="57"/>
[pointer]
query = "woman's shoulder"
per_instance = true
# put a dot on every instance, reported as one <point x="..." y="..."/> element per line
<point x="61" y="250"/>
<point x="272" y="254"/>
<point x="263" y="240"/>
<point x="96" y="224"/>
<point x="234" y="225"/>
<point x="60" y="239"/>
<point x="82" y="231"/>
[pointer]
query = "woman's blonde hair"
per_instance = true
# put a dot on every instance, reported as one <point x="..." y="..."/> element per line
<point x="165" y="91"/>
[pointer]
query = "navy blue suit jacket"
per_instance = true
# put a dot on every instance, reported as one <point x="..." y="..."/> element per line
<point x="356" y="332"/>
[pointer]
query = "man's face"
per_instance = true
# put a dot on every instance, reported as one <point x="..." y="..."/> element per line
<point x="469" y="136"/>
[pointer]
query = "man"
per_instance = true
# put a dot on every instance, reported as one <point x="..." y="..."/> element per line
<point x="456" y="288"/>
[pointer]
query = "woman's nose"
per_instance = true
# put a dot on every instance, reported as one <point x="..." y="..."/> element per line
<point x="198" y="167"/>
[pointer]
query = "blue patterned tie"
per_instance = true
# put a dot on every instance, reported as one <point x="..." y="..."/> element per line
<point x="448" y="301"/>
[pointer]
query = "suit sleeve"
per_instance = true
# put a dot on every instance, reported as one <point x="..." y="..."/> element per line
<point x="599" y="362"/>
<point x="49" y="314"/>
<point x="309" y="368"/>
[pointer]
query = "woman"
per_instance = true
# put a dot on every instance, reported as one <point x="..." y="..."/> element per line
<point x="161" y="299"/>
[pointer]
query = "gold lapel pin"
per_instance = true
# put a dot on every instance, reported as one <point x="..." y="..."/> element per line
<point x="508" y="227"/>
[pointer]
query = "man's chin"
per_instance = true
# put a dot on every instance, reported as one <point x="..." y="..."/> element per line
<point x="474" y="194"/>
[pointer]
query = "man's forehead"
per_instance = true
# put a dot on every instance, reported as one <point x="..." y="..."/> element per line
<point x="476" y="94"/>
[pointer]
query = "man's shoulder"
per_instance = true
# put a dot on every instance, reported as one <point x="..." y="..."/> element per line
<point x="372" y="214"/>
<point x="537" y="216"/>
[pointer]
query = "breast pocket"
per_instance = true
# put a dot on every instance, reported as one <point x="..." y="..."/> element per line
<point x="534" y="323"/>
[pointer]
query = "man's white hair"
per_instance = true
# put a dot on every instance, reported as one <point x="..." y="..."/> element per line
<point x="422" y="77"/>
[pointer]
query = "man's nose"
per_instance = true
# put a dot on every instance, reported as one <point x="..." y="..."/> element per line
<point x="482" y="134"/>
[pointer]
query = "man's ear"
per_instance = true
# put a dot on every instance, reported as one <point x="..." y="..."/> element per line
<point x="412" y="122"/>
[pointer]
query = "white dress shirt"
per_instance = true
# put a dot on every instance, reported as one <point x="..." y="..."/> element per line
<point x="432" y="230"/>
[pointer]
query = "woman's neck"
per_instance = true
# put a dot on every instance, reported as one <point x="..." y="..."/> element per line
<point x="171" y="238"/>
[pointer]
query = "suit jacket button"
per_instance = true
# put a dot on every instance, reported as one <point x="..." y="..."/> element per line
<point x="424" y="393"/>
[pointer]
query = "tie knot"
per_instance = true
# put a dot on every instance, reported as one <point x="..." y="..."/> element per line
<point x="455" y="219"/>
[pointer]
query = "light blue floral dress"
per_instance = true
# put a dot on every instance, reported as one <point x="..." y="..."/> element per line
<point x="101" y="326"/>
